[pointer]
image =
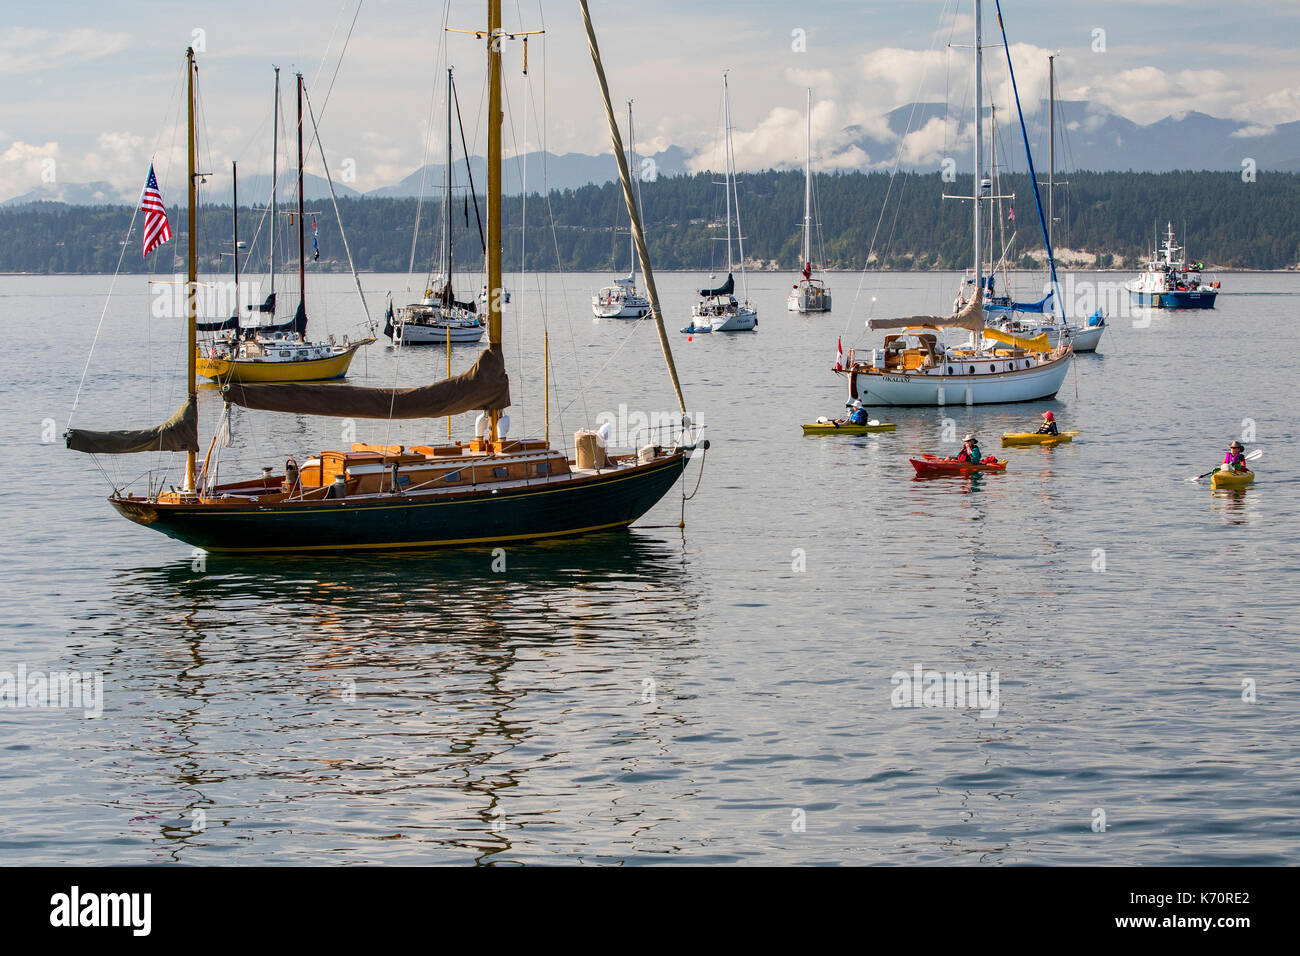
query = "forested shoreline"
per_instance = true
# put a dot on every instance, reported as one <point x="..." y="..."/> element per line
<point x="1104" y="220"/>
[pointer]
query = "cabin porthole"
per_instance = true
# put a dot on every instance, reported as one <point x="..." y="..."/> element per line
<point x="972" y="370"/>
<point x="948" y="371"/>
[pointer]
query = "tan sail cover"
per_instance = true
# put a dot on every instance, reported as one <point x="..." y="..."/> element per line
<point x="485" y="386"/>
<point x="970" y="317"/>
<point x="178" y="433"/>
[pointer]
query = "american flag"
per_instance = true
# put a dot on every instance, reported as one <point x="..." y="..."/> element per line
<point x="156" y="230"/>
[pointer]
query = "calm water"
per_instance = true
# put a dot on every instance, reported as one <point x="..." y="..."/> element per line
<point x="721" y="694"/>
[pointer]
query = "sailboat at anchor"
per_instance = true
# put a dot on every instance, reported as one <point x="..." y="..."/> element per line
<point x="492" y="488"/>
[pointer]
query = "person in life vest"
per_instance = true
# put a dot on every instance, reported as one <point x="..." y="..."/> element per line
<point x="1049" y="425"/>
<point x="1235" y="459"/>
<point x="970" y="449"/>
<point x="857" y="415"/>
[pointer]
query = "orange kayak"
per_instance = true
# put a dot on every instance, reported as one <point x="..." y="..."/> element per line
<point x="932" y="466"/>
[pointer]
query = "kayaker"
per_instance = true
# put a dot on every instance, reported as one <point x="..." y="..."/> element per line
<point x="1235" y="459"/>
<point x="970" y="449"/>
<point x="1049" y="425"/>
<point x="857" y="414"/>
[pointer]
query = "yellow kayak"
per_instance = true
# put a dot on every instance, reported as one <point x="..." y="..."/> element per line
<point x="830" y="428"/>
<point x="1033" y="438"/>
<point x="1231" y="479"/>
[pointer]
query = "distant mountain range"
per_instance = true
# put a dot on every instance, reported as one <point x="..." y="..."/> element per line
<point x="1088" y="139"/>
<point x="1102" y="141"/>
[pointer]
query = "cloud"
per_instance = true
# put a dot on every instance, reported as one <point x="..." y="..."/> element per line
<point x="25" y="50"/>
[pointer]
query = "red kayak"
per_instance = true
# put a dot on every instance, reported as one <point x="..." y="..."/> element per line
<point x="932" y="466"/>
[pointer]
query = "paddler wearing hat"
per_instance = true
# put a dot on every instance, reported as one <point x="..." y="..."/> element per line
<point x="1235" y="459"/>
<point x="857" y="414"/>
<point x="970" y="449"/>
<point x="1049" y="425"/>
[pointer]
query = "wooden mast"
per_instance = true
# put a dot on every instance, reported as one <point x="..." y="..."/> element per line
<point x="192" y="273"/>
<point x="625" y="178"/>
<point x="494" y="118"/>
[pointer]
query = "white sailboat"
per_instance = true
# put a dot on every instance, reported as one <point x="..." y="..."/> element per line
<point x="622" y="300"/>
<point x="808" y="294"/>
<point x="439" y="318"/>
<point x="919" y="365"/>
<point x="718" y="309"/>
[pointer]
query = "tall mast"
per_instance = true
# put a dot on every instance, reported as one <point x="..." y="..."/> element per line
<point x="979" y="147"/>
<point x="807" y="191"/>
<point x="726" y="153"/>
<point x="631" y="162"/>
<point x="234" y="217"/>
<point x="302" y="235"/>
<point x="446" y="201"/>
<point x="494" y="189"/>
<point x="192" y="252"/>
<point x="275" y="175"/>
<point x="1051" y="146"/>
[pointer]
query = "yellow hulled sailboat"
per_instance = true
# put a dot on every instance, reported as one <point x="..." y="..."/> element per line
<point x="260" y="354"/>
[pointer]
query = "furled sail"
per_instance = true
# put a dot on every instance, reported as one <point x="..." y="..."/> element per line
<point x="223" y="326"/>
<point x="1042" y="305"/>
<point x="448" y="299"/>
<point x="970" y="316"/>
<point x="1038" y="343"/>
<point x="268" y="306"/>
<point x="178" y="433"/>
<point x="726" y="288"/>
<point x="485" y="386"/>
<point x="297" y="324"/>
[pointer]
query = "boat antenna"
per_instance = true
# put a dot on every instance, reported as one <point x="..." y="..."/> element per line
<point x="625" y="177"/>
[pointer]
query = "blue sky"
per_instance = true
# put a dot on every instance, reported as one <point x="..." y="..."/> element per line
<point x="95" y="87"/>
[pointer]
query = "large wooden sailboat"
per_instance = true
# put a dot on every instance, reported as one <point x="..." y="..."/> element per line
<point x="490" y="489"/>
<point x="934" y="360"/>
<point x="274" y="352"/>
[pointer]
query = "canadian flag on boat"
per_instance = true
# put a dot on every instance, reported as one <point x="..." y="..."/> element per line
<point x="839" y="356"/>
<point x="807" y="270"/>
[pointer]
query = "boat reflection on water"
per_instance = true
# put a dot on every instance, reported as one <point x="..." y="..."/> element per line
<point x="1230" y="504"/>
<point x="386" y="691"/>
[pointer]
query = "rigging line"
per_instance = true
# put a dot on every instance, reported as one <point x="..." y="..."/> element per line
<point x="428" y="142"/>
<point x="370" y="322"/>
<point x="898" y="159"/>
<point x="334" y="31"/>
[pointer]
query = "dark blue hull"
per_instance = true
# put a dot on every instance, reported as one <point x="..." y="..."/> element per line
<point x="1175" y="300"/>
<point x="598" y="503"/>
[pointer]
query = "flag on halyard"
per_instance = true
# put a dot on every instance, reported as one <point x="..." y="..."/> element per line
<point x="156" y="230"/>
<point x="1011" y="213"/>
<point x="315" y="248"/>
<point x="839" y="356"/>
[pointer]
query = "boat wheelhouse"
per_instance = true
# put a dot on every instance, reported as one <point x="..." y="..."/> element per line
<point x="1169" y="281"/>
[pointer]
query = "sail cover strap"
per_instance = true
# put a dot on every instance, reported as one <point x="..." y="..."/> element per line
<point x="485" y="386"/>
<point x="178" y="433"/>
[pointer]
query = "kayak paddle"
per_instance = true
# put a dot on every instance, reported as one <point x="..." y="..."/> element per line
<point x="1257" y="453"/>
